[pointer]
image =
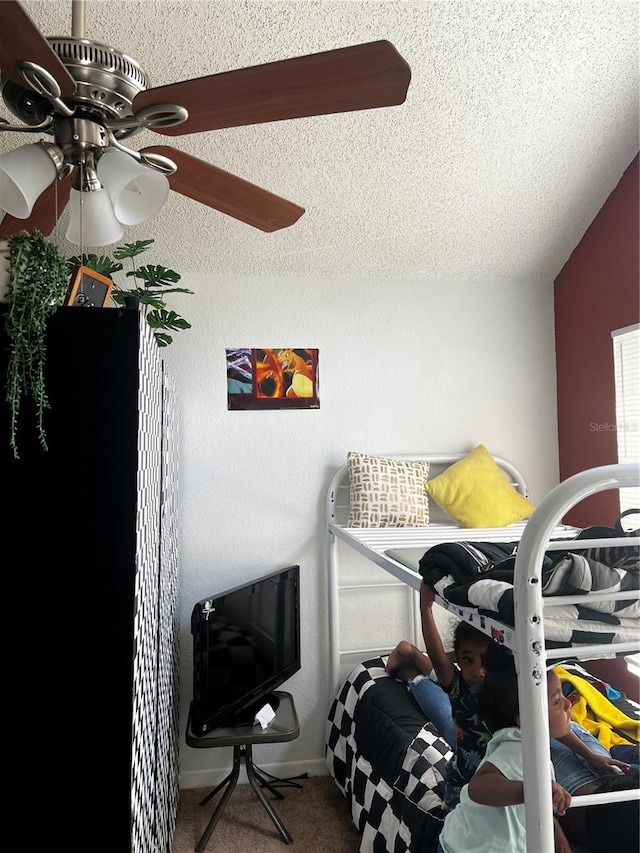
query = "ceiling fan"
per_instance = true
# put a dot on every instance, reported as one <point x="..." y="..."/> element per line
<point x="89" y="97"/>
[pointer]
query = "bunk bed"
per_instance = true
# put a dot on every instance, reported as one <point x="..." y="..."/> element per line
<point x="386" y="759"/>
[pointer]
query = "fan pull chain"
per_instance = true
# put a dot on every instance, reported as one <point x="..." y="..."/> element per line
<point x="82" y="257"/>
<point x="55" y="209"/>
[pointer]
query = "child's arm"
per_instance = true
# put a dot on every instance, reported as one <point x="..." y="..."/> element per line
<point x="489" y="787"/>
<point x="603" y="763"/>
<point x="440" y="660"/>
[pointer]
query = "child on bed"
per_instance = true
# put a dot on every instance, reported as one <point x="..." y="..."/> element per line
<point x="490" y="814"/>
<point x="579" y="758"/>
<point x="451" y="703"/>
<point x="584" y="766"/>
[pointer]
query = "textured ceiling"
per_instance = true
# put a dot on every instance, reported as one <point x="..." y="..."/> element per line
<point x="519" y="121"/>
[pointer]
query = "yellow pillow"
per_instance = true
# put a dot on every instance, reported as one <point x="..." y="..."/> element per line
<point x="475" y="492"/>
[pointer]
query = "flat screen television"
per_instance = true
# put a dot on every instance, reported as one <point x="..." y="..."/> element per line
<point x="246" y="643"/>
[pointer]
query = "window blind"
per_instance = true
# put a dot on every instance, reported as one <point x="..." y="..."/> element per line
<point x="626" y="360"/>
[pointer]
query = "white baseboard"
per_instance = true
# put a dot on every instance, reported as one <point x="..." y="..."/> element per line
<point x="288" y="770"/>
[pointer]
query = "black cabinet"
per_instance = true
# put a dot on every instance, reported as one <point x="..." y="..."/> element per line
<point x="91" y="563"/>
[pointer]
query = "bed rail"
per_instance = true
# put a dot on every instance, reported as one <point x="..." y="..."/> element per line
<point x="530" y="646"/>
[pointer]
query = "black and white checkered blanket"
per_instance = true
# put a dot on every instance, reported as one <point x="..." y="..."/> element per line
<point x="402" y="812"/>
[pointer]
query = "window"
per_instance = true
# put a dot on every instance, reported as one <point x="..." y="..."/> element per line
<point x="626" y="361"/>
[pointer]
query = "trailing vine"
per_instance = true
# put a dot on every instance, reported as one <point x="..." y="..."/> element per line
<point x="38" y="281"/>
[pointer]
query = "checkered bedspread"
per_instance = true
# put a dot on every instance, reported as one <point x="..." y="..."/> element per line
<point x="393" y="816"/>
<point x="403" y="814"/>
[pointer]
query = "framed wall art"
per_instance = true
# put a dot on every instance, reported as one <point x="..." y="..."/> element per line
<point x="276" y="378"/>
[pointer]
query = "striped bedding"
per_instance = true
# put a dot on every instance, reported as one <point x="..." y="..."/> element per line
<point x="481" y="575"/>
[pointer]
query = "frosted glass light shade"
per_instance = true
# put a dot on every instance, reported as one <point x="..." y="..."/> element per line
<point x="137" y="192"/>
<point x="92" y="221"/>
<point x="24" y="173"/>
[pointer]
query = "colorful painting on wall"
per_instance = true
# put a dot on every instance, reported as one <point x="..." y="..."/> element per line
<point x="279" y="378"/>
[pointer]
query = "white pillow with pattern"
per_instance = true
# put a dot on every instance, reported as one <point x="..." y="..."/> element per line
<point x="387" y="492"/>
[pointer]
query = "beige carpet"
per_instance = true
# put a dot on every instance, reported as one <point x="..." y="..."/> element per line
<point x="317" y="818"/>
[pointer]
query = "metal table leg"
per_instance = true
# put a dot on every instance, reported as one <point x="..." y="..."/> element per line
<point x="253" y="781"/>
<point x="266" y="784"/>
<point x="215" y="817"/>
<point x="212" y="794"/>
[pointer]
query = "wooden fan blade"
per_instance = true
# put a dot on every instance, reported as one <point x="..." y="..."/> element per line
<point x="43" y="215"/>
<point x="21" y="40"/>
<point x="336" y="81"/>
<point x="227" y="193"/>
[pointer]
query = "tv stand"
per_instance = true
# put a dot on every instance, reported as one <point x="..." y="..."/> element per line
<point x="283" y="727"/>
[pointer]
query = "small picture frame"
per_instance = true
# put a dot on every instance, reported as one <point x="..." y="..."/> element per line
<point x="88" y="289"/>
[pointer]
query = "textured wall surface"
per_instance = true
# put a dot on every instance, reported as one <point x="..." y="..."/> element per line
<point x="404" y="367"/>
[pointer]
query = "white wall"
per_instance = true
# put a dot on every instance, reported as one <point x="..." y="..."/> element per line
<point x="404" y="367"/>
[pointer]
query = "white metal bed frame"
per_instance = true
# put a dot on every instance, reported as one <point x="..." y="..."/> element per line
<point x="374" y="542"/>
<point x="527" y="640"/>
<point x="531" y="654"/>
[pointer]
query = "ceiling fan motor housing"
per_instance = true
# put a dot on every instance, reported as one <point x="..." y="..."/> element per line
<point x="106" y="81"/>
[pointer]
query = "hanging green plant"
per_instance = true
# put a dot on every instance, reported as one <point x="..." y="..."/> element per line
<point x="152" y="285"/>
<point x="38" y="281"/>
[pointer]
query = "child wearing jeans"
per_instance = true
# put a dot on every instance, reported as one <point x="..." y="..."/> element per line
<point x="451" y="702"/>
<point x="585" y="766"/>
<point x="582" y="765"/>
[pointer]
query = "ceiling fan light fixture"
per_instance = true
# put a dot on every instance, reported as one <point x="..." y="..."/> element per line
<point x="137" y="192"/>
<point x="25" y="173"/>
<point x="92" y="221"/>
<point x="92" y="96"/>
